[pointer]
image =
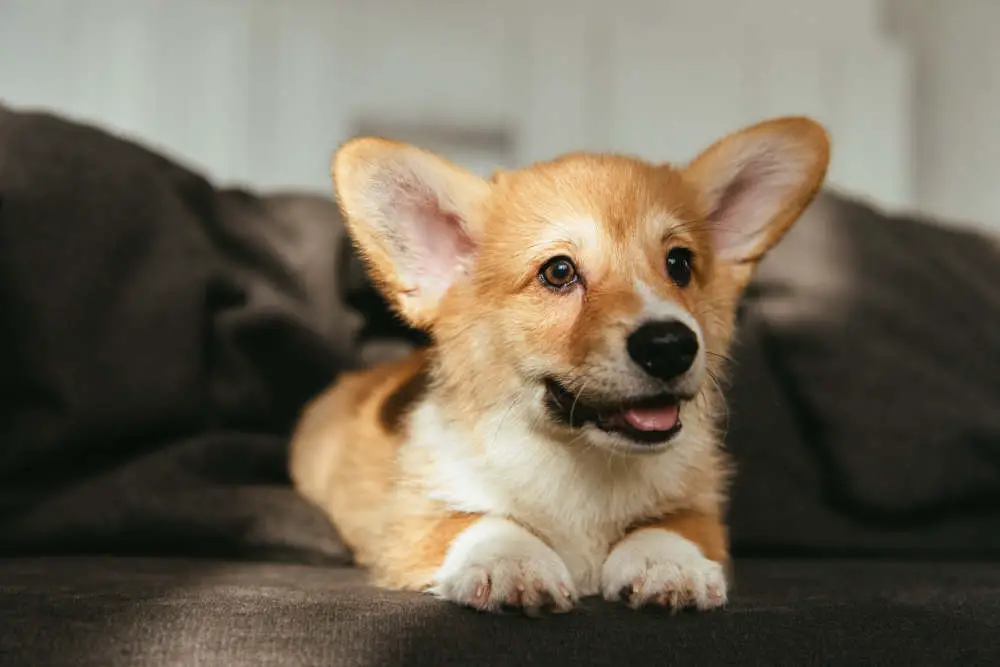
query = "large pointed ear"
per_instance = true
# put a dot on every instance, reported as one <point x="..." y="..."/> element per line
<point x="415" y="218"/>
<point x="755" y="183"/>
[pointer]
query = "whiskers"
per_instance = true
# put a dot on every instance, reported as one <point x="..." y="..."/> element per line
<point x="510" y="408"/>
<point x="608" y="454"/>
<point x="581" y="437"/>
<point x="532" y="423"/>
<point x="720" y="398"/>
<point x="576" y="399"/>
<point x="722" y="359"/>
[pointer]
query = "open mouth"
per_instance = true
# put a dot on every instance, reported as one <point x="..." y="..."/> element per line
<point x="650" y="420"/>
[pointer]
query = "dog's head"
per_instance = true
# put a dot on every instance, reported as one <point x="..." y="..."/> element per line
<point x="596" y="291"/>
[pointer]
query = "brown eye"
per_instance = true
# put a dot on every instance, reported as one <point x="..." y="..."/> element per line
<point x="558" y="272"/>
<point x="679" y="266"/>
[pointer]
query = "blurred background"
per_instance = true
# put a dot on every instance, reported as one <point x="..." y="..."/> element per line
<point x="260" y="92"/>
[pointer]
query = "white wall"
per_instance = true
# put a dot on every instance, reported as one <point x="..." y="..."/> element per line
<point x="956" y="46"/>
<point x="262" y="91"/>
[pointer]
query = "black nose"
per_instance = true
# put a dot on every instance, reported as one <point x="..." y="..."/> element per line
<point x="663" y="349"/>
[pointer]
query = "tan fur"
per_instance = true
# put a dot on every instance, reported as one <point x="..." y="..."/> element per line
<point x="703" y="528"/>
<point x="405" y="457"/>
<point x="416" y="547"/>
<point x="344" y="459"/>
<point x="343" y="453"/>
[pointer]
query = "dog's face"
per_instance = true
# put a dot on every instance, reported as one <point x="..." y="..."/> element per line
<point x="598" y="292"/>
<point x="596" y="277"/>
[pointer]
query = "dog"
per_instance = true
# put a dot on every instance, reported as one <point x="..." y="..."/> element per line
<point x="559" y="436"/>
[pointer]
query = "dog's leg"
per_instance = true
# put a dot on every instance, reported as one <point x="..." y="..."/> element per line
<point x="483" y="562"/>
<point x="677" y="561"/>
<point x="415" y="545"/>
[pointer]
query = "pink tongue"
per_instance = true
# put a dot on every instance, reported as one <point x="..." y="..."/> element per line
<point x="652" y="419"/>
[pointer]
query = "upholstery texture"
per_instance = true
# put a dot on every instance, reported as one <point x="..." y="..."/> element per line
<point x="94" y="612"/>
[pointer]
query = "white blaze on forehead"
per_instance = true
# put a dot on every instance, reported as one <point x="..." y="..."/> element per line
<point x="579" y="234"/>
<point x="657" y="309"/>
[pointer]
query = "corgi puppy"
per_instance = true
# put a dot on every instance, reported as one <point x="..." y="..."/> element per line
<point x="558" y="438"/>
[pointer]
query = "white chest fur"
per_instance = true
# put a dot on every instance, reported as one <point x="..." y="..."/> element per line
<point x="579" y="500"/>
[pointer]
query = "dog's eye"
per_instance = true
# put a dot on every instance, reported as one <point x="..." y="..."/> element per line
<point x="679" y="266"/>
<point x="558" y="272"/>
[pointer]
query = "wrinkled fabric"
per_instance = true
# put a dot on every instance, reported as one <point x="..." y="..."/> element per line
<point x="159" y="339"/>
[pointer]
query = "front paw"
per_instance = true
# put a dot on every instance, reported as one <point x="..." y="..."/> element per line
<point x="659" y="567"/>
<point x="496" y="563"/>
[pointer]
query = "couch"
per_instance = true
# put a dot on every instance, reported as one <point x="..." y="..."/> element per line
<point x="160" y="335"/>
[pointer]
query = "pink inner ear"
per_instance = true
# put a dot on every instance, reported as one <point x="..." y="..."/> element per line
<point x="748" y="203"/>
<point x="432" y="244"/>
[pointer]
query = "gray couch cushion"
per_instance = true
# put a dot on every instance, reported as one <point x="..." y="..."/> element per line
<point x="116" y="612"/>
<point x="866" y="409"/>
